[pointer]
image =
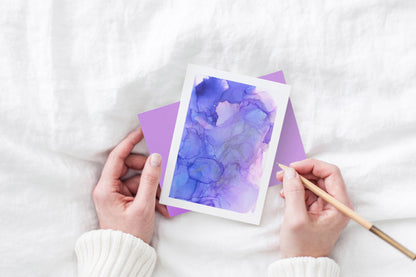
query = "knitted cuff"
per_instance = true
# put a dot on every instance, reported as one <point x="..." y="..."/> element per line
<point x="113" y="253"/>
<point x="305" y="267"/>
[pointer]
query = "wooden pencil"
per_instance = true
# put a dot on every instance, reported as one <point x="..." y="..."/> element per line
<point x="353" y="215"/>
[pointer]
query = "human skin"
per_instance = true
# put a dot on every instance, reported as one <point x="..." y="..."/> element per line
<point x="128" y="205"/>
<point x="311" y="226"/>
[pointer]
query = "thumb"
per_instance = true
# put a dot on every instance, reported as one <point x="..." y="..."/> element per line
<point x="149" y="181"/>
<point x="294" y="193"/>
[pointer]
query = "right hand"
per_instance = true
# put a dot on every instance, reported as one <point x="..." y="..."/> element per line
<point x="311" y="226"/>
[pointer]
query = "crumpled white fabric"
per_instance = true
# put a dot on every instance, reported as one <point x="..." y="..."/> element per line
<point x="74" y="74"/>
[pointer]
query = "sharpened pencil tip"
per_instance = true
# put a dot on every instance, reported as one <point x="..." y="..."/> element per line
<point x="282" y="166"/>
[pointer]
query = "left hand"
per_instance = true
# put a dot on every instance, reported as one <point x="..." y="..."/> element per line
<point x="129" y="205"/>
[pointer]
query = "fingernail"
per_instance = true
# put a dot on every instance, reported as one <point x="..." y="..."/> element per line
<point x="155" y="160"/>
<point x="281" y="191"/>
<point x="289" y="173"/>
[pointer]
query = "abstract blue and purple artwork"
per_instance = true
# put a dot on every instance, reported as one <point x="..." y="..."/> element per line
<point x="227" y="129"/>
<point x="223" y="140"/>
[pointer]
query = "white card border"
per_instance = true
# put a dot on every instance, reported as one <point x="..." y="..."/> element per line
<point x="279" y="92"/>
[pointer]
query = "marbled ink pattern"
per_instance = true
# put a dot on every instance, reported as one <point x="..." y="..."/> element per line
<point x="227" y="129"/>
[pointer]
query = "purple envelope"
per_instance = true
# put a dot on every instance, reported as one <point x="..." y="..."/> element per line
<point x="158" y="126"/>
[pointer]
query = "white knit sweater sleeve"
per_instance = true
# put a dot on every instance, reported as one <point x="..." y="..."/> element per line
<point x="113" y="253"/>
<point x="305" y="267"/>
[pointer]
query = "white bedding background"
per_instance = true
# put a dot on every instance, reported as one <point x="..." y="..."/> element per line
<point x="74" y="74"/>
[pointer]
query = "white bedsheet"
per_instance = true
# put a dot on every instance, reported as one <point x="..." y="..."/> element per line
<point x="74" y="74"/>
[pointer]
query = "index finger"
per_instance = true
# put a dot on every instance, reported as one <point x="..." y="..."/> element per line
<point x="334" y="183"/>
<point x="113" y="168"/>
<point x="318" y="168"/>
